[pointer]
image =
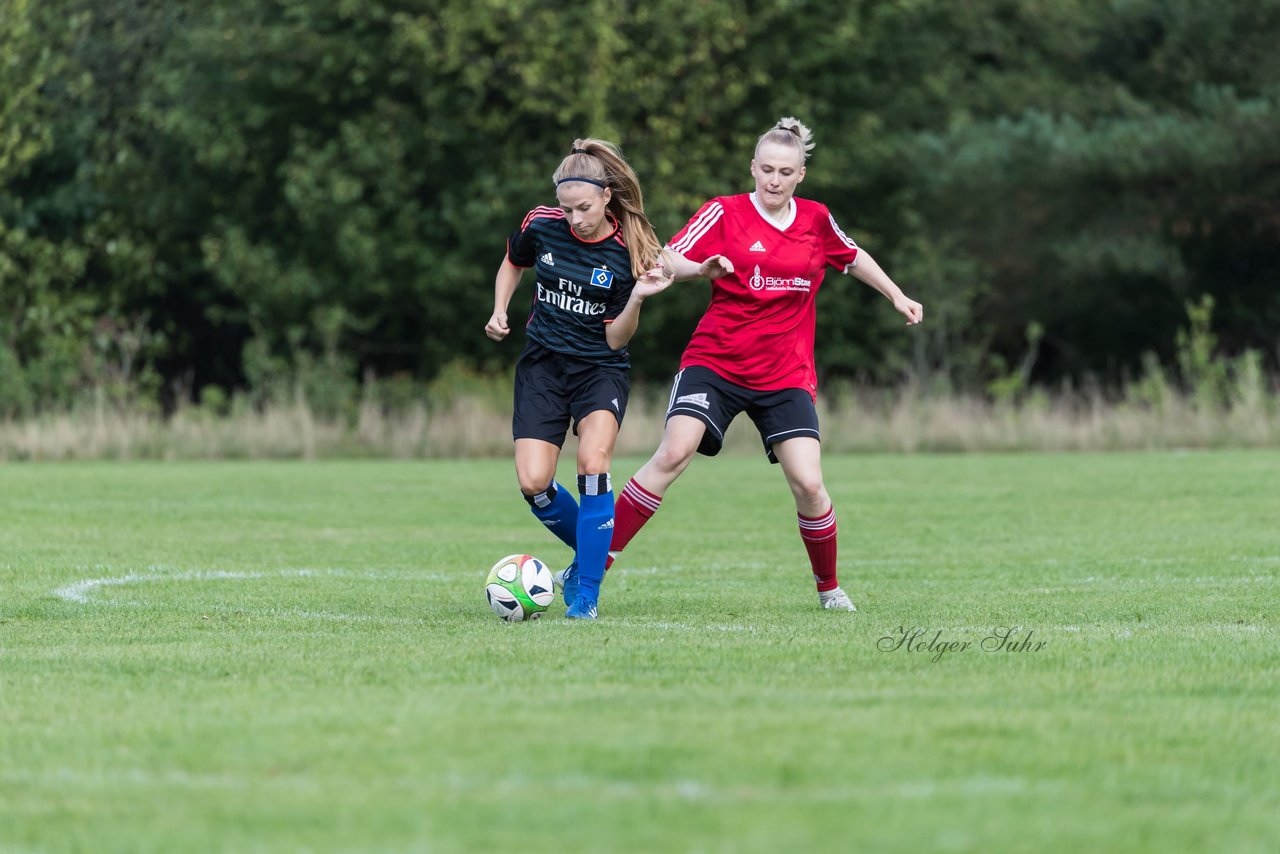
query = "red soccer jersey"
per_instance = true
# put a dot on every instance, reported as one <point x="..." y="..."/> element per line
<point x="758" y="330"/>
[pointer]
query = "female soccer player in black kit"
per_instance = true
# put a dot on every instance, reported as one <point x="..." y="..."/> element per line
<point x="596" y="258"/>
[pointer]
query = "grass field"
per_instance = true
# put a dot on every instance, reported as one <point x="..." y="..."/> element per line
<point x="298" y="657"/>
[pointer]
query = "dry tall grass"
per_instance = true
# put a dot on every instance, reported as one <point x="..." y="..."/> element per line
<point x="911" y="422"/>
<point x="854" y="421"/>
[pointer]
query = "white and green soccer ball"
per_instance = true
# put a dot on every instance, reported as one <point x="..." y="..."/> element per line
<point x="519" y="587"/>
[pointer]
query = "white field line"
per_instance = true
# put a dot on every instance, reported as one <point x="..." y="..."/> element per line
<point x="658" y="625"/>
<point x="519" y="785"/>
<point x="1262" y="562"/>
<point x="83" y="592"/>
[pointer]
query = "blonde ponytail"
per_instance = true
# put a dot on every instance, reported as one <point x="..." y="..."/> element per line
<point x="600" y="163"/>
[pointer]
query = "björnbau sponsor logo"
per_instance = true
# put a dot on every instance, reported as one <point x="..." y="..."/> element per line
<point x="759" y="282"/>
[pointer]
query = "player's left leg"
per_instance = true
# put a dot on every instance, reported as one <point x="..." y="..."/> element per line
<point x="788" y="425"/>
<point x="597" y="435"/>
<point x="801" y="460"/>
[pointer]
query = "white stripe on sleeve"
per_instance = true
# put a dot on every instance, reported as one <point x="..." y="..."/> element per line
<point x="694" y="231"/>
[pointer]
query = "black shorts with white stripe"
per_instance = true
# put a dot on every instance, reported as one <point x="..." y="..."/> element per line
<point x="779" y="415"/>
<point x="554" y="391"/>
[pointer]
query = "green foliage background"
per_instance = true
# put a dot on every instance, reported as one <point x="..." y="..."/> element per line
<point x="266" y="195"/>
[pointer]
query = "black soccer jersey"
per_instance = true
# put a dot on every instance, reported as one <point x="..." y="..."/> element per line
<point x="580" y="285"/>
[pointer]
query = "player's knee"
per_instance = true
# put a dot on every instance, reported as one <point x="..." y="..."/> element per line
<point x="594" y="461"/>
<point x="532" y="483"/>
<point x="809" y="490"/>
<point x="674" y="457"/>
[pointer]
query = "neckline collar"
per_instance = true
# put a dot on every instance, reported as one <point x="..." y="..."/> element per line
<point x="610" y="233"/>
<point x="781" y="225"/>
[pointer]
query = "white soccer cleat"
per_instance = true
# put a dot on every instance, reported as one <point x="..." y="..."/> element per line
<point x="836" y="600"/>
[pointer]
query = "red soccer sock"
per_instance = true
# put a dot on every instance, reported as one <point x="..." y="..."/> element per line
<point x="819" y="535"/>
<point x="635" y="506"/>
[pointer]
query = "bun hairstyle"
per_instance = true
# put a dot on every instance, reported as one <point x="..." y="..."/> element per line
<point x="790" y="132"/>
<point x="597" y="162"/>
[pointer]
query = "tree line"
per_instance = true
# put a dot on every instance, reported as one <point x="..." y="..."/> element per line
<point x="249" y="195"/>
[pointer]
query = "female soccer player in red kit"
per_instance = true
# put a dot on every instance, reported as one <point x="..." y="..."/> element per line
<point x="767" y="253"/>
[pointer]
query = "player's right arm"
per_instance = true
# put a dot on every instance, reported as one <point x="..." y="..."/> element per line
<point x="504" y="287"/>
<point x="700" y="237"/>
<point x="712" y="268"/>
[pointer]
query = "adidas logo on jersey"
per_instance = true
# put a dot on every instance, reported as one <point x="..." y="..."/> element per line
<point x="758" y="247"/>
<point x="547" y="259"/>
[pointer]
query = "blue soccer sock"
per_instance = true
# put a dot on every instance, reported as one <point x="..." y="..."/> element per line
<point x="595" y="531"/>
<point x="556" y="509"/>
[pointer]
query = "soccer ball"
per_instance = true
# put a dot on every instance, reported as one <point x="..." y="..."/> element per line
<point x="519" y="587"/>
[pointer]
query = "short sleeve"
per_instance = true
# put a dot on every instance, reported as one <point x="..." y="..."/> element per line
<point x="700" y="237"/>
<point x="619" y="296"/>
<point x="841" y="251"/>
<point x="522" y="245"/>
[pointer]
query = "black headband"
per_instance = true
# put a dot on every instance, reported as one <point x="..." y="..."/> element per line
<point x="599" y="184"/>
<point x="580" y="151"/>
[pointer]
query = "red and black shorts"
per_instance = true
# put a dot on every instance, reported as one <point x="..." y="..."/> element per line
<point x="554" y="391"/>
<point x="778" y="415"/>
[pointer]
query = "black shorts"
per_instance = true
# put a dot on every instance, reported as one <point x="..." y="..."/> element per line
<point x="713" y="400"/>
<point x="554" y="390"/>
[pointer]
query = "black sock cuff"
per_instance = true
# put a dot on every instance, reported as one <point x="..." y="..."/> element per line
<point x="594" y="484"/>
<point x="543" y="498"/>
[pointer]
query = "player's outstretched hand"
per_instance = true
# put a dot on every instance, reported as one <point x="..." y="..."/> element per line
<point x="910" y="309"/>
<point x="715" y="267"/>
<point x="497" y="328"/>
<point x="654" y="281"/>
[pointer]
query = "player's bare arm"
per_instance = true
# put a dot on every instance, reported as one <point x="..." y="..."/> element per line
<point x="654" y="281"/>
<point x="504" y="287"/>
<point x="866" y="270"/>
<point x="713" y="268"/>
